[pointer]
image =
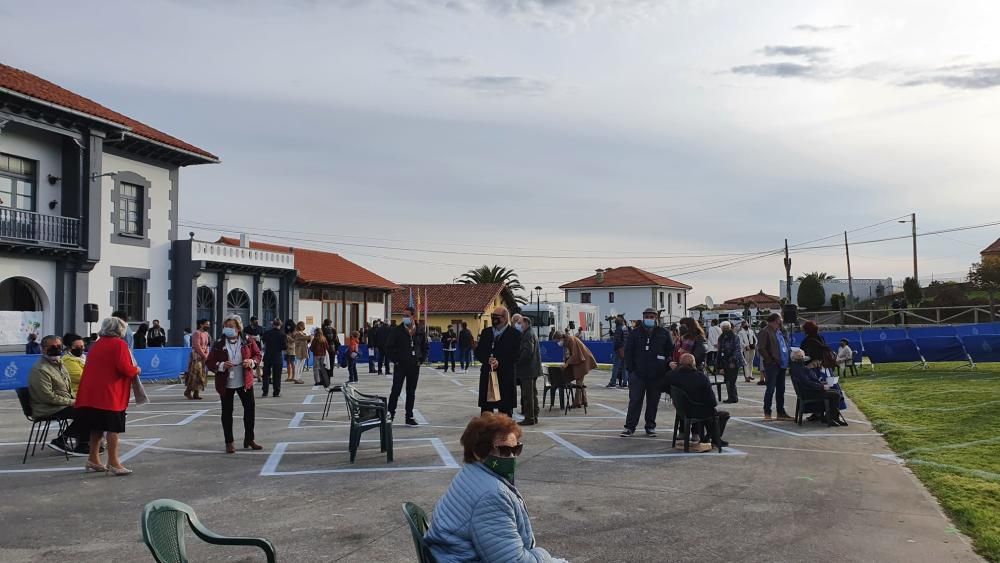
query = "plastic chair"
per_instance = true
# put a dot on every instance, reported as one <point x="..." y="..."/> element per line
<point x="801" y="405"/>
<point x="417" y="519"/>
<point x="39" y="425"/>
<point x="163" y="532"/>
<point x="683" y="422"/>
<point x="376" y="415"/>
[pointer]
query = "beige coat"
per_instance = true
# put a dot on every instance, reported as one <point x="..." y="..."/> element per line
<point x="579" y="359"/>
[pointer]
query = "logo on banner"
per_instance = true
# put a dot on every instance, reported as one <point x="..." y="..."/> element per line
<point x="882" y="336"/>
<point x="155" y="362"/>
<point x="987" y="348"/>
<point x="10" y="372"/>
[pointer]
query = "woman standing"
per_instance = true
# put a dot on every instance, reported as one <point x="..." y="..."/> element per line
<point x="139" y="339"/>
<point x="692" y="342"/>
<point x="449" y="343"/>
<point x="322" y="364"/>
<point x="233" y="359"/>
<point x="353" y="347"/>
<point x="290" y="351"/>
<point x="301" y="341"/>
<point x="195" y="377"/>
<point x="578" y="363"/>
<point x="104" y="392"/>
<point x="729" y="359"/>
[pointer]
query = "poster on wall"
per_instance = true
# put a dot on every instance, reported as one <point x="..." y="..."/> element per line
<point x="15" y="326"/>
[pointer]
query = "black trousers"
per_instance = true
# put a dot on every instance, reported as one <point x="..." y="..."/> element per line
<point x="246" y="397"/>
<point x="731" y="374"/>
<point x="449" y="356"/>
<point x="408" y="374"/>
<point x="705" y="431"/>
<point x="642" y="388"/>
<point x="831" y="396"/>
<point x="272" y="374"/>
<point x="383" y="359"/>
<point x="710" y="361"/>
<point x="75" y="429"/>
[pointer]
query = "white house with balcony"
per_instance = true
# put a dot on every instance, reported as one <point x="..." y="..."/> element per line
<point x="628" y="291"/>
<point x="88" y="210"/>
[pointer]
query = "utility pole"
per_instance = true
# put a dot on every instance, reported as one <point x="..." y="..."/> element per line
<point x="788" y="274"/>
<point x="850" y="280"/>
<point x="913" y="219"/>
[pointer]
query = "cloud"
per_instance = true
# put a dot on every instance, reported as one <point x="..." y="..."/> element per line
<point x="811" y="52"/>
<point x="821" y="28"/>
<point x="779" y="70"/>
<point x="420" y="57"/>
<point x="962" y="78"/>
<point x="498" y="85"/>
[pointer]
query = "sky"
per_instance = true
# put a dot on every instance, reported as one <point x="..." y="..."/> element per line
<point x="421" y="138"/>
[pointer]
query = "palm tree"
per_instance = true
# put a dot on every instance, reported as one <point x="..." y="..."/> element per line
<point x="496" y="274"/>
<point x="821" y="276"/>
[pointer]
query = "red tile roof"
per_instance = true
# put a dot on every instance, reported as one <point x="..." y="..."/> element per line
<point x="992" y="249"/>
<point x="626" y="276"/>
<point x="451" y="298"/>
<point x="323" y="268"/>
<point x="757" y="298"/>
<point x="28" y="84"/>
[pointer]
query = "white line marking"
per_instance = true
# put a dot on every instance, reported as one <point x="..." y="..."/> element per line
<point x="457" y="382"/>
<point x="183" y="422"/>
<point x="125" y="457"/>
<point x="296" y="421"/>
<point x="800" y="434"/>
<point x="612" y="409"/>
<point x="729" y="451"/>
<point x="419" y="417"/>
<point x="270" y="468"/>
<point x="308" y="400"/>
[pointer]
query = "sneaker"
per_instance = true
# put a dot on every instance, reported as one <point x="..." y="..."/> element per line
<point x="82" y="449"/>
<point x="623" y="386"/>
<point x="527" y="422"/>
<point x="767" y="417"/>
<point x="609" y="385"/>
<point x="276" y="395"/>
<point x="411" y="422"/>
<point x="651" y="433"/>
<point x="59" y="445"/>
<point x="627" y="433"/>
<point x="263" y="395"/>
<point x="761" y="382"/>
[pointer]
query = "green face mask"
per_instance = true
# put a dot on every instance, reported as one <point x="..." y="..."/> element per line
<point x="502" y="466"/>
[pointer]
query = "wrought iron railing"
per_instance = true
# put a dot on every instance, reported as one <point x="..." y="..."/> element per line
<point x="37" y="228"/>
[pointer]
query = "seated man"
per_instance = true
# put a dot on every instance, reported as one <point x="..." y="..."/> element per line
<point x="845" y="356"/>
<point x="810" y="386"/>
<point x="699" y="390"/>
<point x="51" y="391"/>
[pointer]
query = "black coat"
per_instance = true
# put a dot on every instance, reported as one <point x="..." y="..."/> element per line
<point x="696" y="385"/>
<point x="274" y="343"/>
<point x="382" y="336"/>
<point x="648" y="351"/>
<point x="405" y="349"/>
<point x="465" y="339"/>
<point x="506" y="350"/>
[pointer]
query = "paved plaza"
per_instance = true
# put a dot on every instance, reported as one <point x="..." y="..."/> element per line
<point x="779" y="493"/>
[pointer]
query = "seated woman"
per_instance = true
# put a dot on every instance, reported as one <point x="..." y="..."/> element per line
<point x="481" y="516"/>
<point x="845" y="356"/>
<point x="810" y="386"/>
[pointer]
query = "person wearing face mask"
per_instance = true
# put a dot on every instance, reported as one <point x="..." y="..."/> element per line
<point x="156" y="337"/>
<point x="449" y="342"/>
<point x="233" y="359"/>
<point x="482" y="516"/>
<point x="74" y="359"/>
<point x="529" y="369"/>
<point x="619" y="373"/>
<point x="51" y="392"/>
<point x="407" y="349"/>
<point x="195" y="376"/>
<point x="498" y="349"/>
<point x="647" y="355"/>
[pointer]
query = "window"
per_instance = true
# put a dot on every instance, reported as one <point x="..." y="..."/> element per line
<point x="268" y="307"/>
<point x="238" y="303"/>
<point x="585" y="297"/>
<point x="130" y="211"/>
<point x="661" y="299"/>
<point x="130" y="298"/>
<point x="17" y="183"/>
<point x="205" y="303"/>
<point x="678" y="298"/>
<point x="611" y="297"/>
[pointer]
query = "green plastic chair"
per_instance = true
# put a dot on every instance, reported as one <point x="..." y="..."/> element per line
<point x="163" y="531"/>
<point x="417" y="519"/>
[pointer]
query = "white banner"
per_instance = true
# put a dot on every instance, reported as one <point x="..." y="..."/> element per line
<point x="15" y="326"/>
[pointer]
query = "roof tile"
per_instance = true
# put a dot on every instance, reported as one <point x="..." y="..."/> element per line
<point x="448" y="298"/>
<point x="625" y="276"/>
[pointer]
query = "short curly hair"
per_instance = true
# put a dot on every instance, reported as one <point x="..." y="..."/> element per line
<point x="477" y="440"/>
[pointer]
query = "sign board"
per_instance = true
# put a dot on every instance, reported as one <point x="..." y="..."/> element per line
<point x="15" y="326"/>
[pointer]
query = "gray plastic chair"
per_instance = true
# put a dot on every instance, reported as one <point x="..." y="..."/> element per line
<point x="163" y="523"/>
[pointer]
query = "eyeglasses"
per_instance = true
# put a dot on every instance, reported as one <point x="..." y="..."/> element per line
<point x="509" y="451"/>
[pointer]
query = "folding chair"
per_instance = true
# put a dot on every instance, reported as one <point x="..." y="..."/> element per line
<point x="802" y="404"/>
<point x="163" y="523"/>
<point x="683" y="422"/>
<point x="39" y="425"/>
<point x="329" y="399"/>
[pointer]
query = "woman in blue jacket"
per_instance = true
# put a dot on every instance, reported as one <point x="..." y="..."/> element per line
<point x="481" y="516"/>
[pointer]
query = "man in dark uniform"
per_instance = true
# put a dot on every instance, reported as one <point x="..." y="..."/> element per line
<point x="370" y="340"/>
<point x="465" y="347"/>
<point x="407" y="350"/>
<point x="698" y="388"/>
<point x="647" y="356"/>
<point x="498" y="350"/>
<point x="274" y="350"/>
<point x="381" y="342"/>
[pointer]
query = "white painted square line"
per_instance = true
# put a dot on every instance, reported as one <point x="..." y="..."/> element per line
<point x="308" y="400"/>
<point x="612" y="409"/>
<point x="270" y="468"/>
<point x="772" y="427"/>
<point x="190" y="418"/>
<point x="419" y="417"/>
<point x="125" y="457"/>
<point x="728" y="451"/>
<point x="457" y="382"/>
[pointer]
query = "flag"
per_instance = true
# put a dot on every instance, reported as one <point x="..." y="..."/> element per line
<point x="417" y="311"/>
<point x="411" y="297"/>
<point x="427" y="305"/>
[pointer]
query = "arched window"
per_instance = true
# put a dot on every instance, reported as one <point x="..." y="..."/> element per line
<point x="18" y="295"/>
<point x="206" y="304"/>
<point x="238" y="303"/>
<point x="268" y="307"/>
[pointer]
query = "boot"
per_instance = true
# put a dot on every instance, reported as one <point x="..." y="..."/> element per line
<point x="196" y="396"/>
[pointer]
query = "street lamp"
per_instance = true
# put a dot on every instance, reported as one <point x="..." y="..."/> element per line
<point x="913" y="220"/>
<point x="538" y="311"/>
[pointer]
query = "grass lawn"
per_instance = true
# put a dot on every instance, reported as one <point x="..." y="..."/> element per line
<point x="946" y="424"/>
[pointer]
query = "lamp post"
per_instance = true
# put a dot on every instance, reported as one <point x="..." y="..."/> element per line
<point x="538" y="311"/>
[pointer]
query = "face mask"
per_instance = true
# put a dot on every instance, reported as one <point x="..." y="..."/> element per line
<point x="502" y="466"/>
<point x="229" y="332"/>
<point x="76" y="352"/>
<point x="560" y="343"/>
<point x="519" y="327"/>
<point x="407" y="321"/>
<point x="649" y="323"/>
<point x="53" y="352"/>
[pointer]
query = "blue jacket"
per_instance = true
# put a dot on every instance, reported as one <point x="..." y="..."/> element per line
<point x="481" y="517"/>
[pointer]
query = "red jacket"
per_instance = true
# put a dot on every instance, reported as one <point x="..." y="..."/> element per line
<point x="107" y="377"/>
<point x="218" y="354"/>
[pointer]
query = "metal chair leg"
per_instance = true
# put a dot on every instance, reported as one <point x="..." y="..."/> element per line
<point x="31" y="436"/>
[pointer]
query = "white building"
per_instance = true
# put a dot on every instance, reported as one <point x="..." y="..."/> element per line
<point x="627" y="290"/>
<point x="864" y="289"/>
<point x="88" y="208"/>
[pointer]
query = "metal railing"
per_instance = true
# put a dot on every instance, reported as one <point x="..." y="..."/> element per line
<point x="910" y="316"/>
<point x="28" y="226"/>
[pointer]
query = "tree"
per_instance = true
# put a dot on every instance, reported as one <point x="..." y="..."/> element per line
<point x="811" y="294"/>
<point x="838" y="301"/>
<point x="821" y="276"/>
<point x="986" y="276"/>
<point x="912" y="291"/>
<point x="950" y="295"/>
<point x="496" y="274"/>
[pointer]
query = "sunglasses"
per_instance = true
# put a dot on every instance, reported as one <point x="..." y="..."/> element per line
<point x="509" y="451"/>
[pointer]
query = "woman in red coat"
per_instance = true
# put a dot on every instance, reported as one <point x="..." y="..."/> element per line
<point x="233" y="359"/>
<point x="104" y="391"/>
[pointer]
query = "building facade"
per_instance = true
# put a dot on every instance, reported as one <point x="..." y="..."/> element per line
<point x="88" y="207"/>
<point x="628" y="291"/>
<point x="453" y="304"/>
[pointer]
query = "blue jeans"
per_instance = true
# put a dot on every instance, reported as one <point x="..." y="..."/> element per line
<point x="774" y="379"/>
<point x="619" y="372"/>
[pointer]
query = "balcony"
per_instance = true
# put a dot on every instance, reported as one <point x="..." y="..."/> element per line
<point x="26" y="228"/>
<point x="241" y="256"/>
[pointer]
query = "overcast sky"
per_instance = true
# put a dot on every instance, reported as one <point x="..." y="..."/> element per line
<point x="595" y="133"/>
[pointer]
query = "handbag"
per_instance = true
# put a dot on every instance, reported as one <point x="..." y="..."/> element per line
<point x="493" y="388"/>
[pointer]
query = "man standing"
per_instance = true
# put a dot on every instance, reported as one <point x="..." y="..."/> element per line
<point x="332" y="342"/>
<point x="382" y="341"/>
<point x="712" y="347"/>
<point x="647" y="356"/>
<point x="254" y="332"/>
<point x="275" y="343"/>
<point x="774" y="358"/>
<point x="370" y="340"/>
<point x="498" y="349"/>
<point x="51" y="393"/>
<point x="619" y="372"/>
<point x="748" y="341"/>
<point x="698" y="389"/>
<point x="465" y="347"/>
<point x="407" y="349"/>
<point x="156" y="337"/>
<point x="529" y="369"/>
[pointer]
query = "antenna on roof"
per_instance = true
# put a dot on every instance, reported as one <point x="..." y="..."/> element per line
<point x="709" y="302"/>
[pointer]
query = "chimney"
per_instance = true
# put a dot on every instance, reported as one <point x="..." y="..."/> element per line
<point x="600" y="275"/>
<point x="244" y="242"/>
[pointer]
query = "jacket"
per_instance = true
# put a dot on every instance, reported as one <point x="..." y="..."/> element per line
<point x="382" y="336"/>
<point x="730" y="352"/>
<point x="74" y="367"/>
<point x="579" y="359"/>
<point x="697" y="387"/>
<point x="107" y="377"/>
<point x="199" y="344"/>
<point x="815" y="347"/>
<point x="301" y="342"/>
<point x="747" y="338"/>
<point x="805" y="379"/>
<point x="506" y="349"/>
<point x="768" y="347"/>
<point x="332" y="341"/>
<point x="529" y="360"/>
<point x="156" y="337"/>
<point x="482" y="517"/>
<point x="404" y="348"/>
<point x="714" y="332"/>
<point x="33" y="347"/>
<point x="449" y="342"/>
<point x="620" y="339"/>
<point x="49" y="387"/>
<point x="465" y="339"/>
<point x="274" y="344"/>
<point x="219" y="355"/>
<point x="655" y="361"/>
<point x="845" y="355"/>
